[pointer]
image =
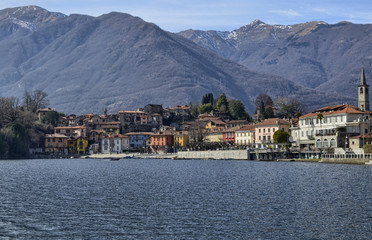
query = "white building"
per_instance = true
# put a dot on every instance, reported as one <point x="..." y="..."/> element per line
<point x="330" y="127"/>
<point x="114" y="144"/>
<point x="245" y="136"/>
<point x="333" y="126"/>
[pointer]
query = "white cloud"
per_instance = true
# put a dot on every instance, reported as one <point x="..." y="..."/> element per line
<point x="288" y="13"/>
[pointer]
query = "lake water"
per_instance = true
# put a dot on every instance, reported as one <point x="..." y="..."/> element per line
<point x="169" y="199"/>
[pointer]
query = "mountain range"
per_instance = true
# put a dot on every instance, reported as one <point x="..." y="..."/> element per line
<point x="117" y="61"/>
<point x="321" y="56"/>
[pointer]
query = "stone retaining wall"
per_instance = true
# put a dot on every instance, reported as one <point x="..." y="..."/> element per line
<point x="345" y="160"/>
<point x="223" y="154"/>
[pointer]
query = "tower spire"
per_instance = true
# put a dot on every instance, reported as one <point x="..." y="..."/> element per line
<point x="363" y="77"/>
<point x="363" y="93"/>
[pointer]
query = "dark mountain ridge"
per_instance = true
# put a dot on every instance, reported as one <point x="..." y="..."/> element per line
<point x="117" y="61"/>
<point x="317" y="55"/>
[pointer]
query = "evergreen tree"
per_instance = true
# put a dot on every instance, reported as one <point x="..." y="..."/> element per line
<point x="237" y="110"/>
<point x="281" y="136"/>
<point x="203" y="108"/>
<point x="222" y="103"/>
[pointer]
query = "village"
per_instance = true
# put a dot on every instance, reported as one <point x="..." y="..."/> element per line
<point x="342" y="131"/>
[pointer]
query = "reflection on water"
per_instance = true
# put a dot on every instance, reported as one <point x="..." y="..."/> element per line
<point x="167" y="199"/>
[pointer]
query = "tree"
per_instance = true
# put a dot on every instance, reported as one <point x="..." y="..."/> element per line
<point x="263" y="102"/>
<point x="268" y="113"/>
<point x="288" y="107"/>
<point x="52" y="117"/>
<point x="203" y="108"/>
<point x="207" y="98"/>
<point x="237" y="110"/>
<point x="9" y="110"/>
<point x="281" y="136"/>
<point x="198" y="132"/>
<point x="265" y="99"/>
<point x="222" y="103"/>
<point x="32" y="101"/>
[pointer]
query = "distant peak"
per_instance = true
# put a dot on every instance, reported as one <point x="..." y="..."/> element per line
<point x="256" y="22"/>
<point x="29" y="17"/>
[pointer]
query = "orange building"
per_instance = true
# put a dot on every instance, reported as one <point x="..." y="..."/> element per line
<point x="162" y="141"/>
<point x="56" y="143"/>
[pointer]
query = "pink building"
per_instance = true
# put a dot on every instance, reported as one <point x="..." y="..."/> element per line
<point x="266" y="129"/>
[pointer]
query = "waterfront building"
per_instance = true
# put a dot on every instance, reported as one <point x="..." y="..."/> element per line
<point x="265" y="130"/>
<point x="245" y="136"/>
<point x="214" y="137"/>
<point x="115" y="143"/>
<point x="358" y="142"/>
<point x="137" y="140"/>
<point x="162" y="141"/>
<point x="56" y="144"/>
<point x="228" y="136"/>
<point x="181" y="139"/>
<point x="330" y="127"/>
<point x="78" y="145"/>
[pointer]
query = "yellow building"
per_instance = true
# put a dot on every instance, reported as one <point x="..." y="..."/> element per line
<point x="214" y="137"/>
<point x="78" y="145"/>
<point x="215" y="124"/>
<point x="181" y="139"/>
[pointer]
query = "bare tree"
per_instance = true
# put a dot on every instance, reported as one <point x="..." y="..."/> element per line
<point x="198" y="131"/>
<point x="265" y="99"/>
<point x="32" y="101"/>
<point x="9" y="110"/>
<point x="288" y="107"/>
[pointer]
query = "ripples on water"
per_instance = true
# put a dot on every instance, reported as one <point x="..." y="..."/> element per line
<point x="166" y="199"/>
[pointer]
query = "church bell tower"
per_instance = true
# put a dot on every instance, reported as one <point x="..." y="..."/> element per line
<point x="363" y="93"/>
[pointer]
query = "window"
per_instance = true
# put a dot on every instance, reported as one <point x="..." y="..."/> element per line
<point x="259" y="130"/>
<point x="325" y="143"/>
<point x="333" y="143"/>
<point x="318" y="143"/>
<point x="268" y="130"/>
<point x="361" y="90"/>
<point x="273" y="129"/>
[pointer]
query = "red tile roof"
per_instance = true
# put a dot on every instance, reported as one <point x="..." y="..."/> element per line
<point x="247" y="128"/>
<point x="273" y="121"/>
<point x="338" y="109"/>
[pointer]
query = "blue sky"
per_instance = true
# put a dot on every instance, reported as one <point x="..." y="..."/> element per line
<point x="178" y="15"/>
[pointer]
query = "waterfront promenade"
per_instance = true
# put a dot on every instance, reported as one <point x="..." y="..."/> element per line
<point x="230" y="155"/>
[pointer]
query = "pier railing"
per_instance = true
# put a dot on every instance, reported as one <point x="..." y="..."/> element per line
<point x="348" y="156"/>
